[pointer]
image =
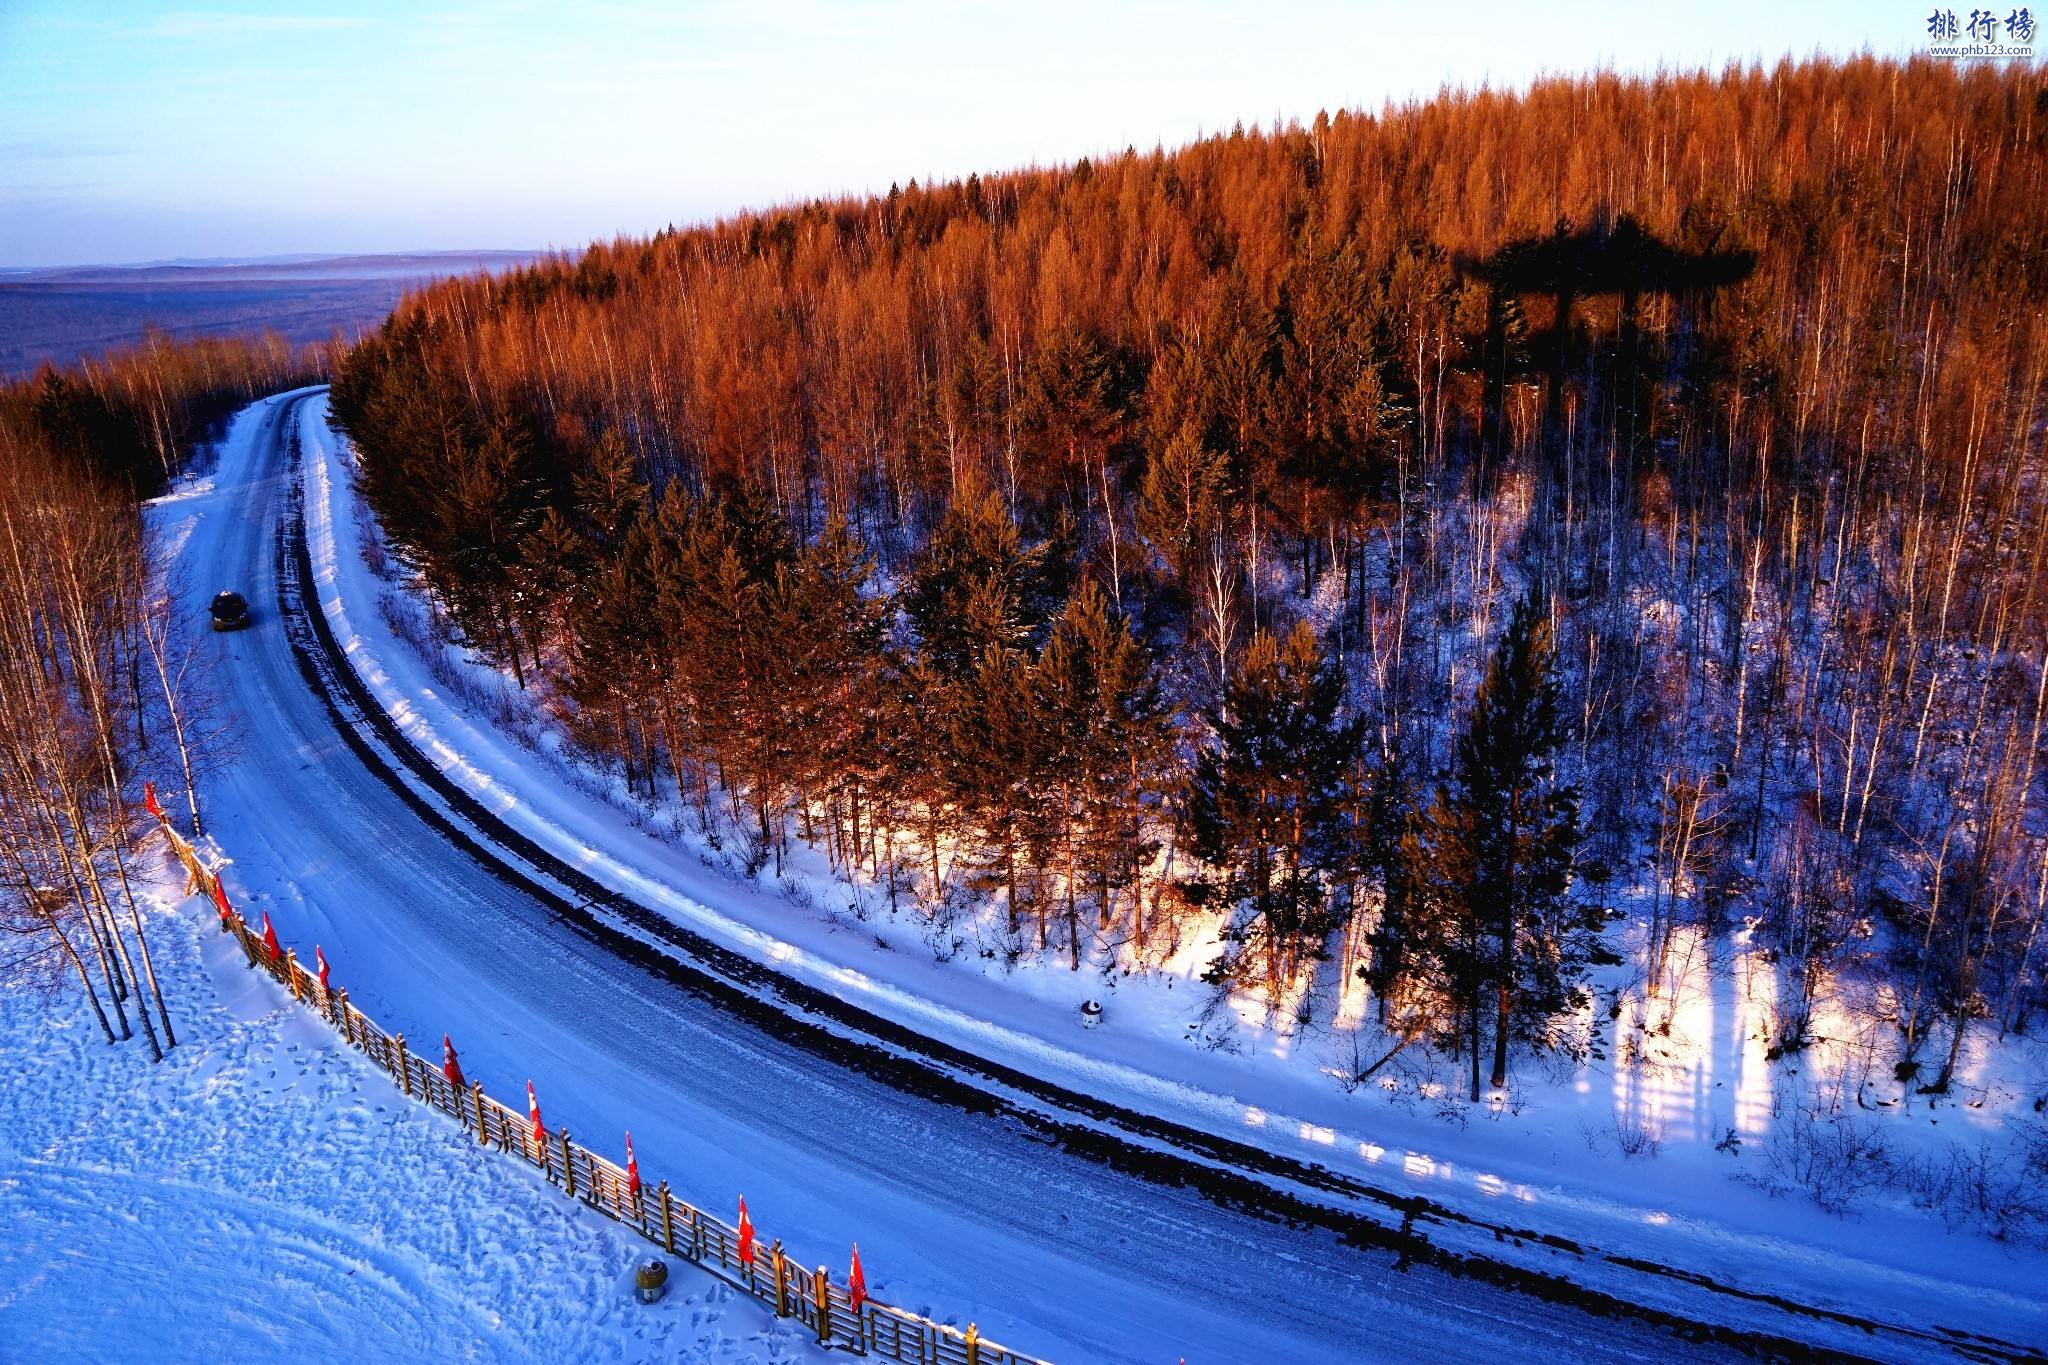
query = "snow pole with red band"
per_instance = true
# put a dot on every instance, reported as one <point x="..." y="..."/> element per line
<point x="632" y="1169"/>
<point x="320" y="960"/>
<point x="746" y="1247"/>
<point x="220" y="900"/>
<point x="451" y="1066"/>
<point x="270" y="943"/>
<point x="150" y="803"/>
<point x="540" y="1133"/>
<point x="857" y="1284"/>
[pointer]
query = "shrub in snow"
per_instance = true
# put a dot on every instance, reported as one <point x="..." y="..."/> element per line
<point x="1977" y="1187"/>
<point x="1638" y="1134"/>
<point x="1834" y="1158"/>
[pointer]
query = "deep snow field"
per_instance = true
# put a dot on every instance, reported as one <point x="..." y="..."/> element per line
<point x="267" y="1194"/>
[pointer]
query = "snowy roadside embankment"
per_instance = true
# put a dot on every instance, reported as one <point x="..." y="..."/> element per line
<point x="265" y="1194"/>
<point x="1552" y="1157"/>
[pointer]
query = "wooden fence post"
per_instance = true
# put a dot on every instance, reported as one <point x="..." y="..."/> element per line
<point x="483" y="1134"/>
<point x="347" y="1029"/>
<point x="291" y="971"/>
<point x="973" y="1344"/>
<point x="668" y="1221"/>
<point x="568" y="1166"/>
<point x="821" y="1286"/>
<point x="404" y="1071"/>
<point x="781" y="1280"/>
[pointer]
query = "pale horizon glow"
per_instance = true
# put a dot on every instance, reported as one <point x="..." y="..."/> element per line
<point x="142" y="132"/>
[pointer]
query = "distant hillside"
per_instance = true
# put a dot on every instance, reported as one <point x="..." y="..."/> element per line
<point x="67" y="314"/>
<point x="1375" y="549"/>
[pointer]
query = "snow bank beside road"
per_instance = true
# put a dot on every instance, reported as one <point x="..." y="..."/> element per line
<point x="265" y="1194"/>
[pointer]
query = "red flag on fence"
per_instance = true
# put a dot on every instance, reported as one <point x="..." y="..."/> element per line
<point x="746" y="1235"/>
<point x="632" y="1169"/>
<point x="321" y="959"/>
<point x="540" y="1133"/>
<point x="857" y="1284"/>
<point x="149" y="801"/>
<point x="451" y="1067"/>
<point x="220" y="900"/>
<point x="270" y="944"/>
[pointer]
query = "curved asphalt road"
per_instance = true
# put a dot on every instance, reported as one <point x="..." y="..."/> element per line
<point x="960" y="1215"/>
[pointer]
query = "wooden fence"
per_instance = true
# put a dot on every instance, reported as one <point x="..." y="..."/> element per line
<point x="681" y="1229"/>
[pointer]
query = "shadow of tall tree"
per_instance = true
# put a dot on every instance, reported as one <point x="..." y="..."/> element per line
<point x="1567" y="267"/>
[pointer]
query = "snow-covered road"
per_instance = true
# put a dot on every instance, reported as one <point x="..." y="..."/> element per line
<point x="960" y="1214"/>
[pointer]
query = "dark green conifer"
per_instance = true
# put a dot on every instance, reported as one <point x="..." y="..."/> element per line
<point x="1497" y="849"/>
<point x="1266" y="806"/>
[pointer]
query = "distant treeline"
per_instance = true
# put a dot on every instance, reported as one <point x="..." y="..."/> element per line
<point x="134" y="415"/>
<point x="1433" y="524"/>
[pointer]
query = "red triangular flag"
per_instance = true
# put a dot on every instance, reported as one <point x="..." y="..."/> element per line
<point x="220" y="900"/>
<point x="540" y="1134"/>
<point x="857" y="1283"/>
<point x="321" y="959"/>
<point x="270" y="944"/>
<point x="632" y="1169"/>
<point x="451" y="1067"/>
<point x="149" y="800"/>
<point x="746" y="1235"/>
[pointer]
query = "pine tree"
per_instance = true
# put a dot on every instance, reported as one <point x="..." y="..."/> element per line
<point x="552" y="561"/>
<point x="922" y="768"/>
<point x="1180" y="506"/>
<point x="977" y="586"/>
<point x="997" y="754"/>
<point x="1099" y="703"/>
<point x="830" y="636"/>
<point x="734" y="556"/>
<point x="617" y="652"/>
<point x="1496" y="850"/>
<point x="1069" y="408"/>
<point x="1385" y="822"/>
<point x="609" y="494"/>
<point x="1130" y="748"/>
<point x="1266" y="805"/>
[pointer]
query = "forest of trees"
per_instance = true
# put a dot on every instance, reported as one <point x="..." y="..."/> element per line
<point x="1399" y="542"/>
<point x="98" y="678"/>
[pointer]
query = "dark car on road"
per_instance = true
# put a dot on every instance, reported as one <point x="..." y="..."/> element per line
<point x="230" y="611"/>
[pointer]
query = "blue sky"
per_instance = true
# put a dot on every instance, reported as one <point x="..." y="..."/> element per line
<point x="137" y="132"/>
